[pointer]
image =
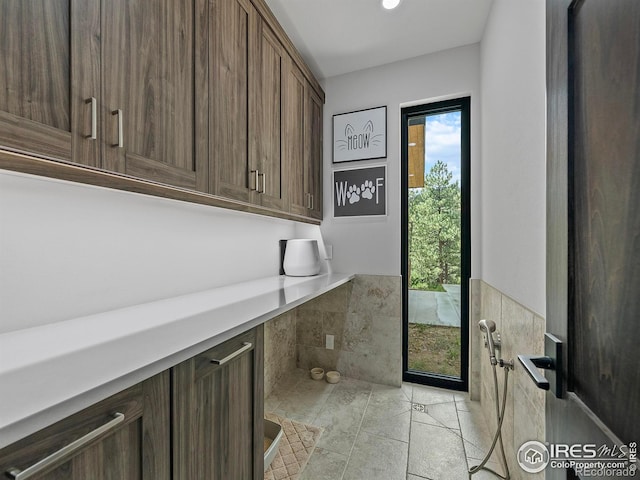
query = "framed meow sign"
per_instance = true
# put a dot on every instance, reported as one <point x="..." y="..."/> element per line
<point x="359" y="192"/>
<point x="360" y="135"/>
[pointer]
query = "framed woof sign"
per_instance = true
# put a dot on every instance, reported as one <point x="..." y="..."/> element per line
<point x="360" y="192"/>
<point x="360" y="135"/>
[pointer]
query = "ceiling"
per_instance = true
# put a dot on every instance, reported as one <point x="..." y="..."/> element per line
<point x="341" y="36"/>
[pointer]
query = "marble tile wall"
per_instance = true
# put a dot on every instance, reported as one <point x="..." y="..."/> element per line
<point x="365" y="318"/>
<point x="279" y="349"/>
<point x="522" y="331"/>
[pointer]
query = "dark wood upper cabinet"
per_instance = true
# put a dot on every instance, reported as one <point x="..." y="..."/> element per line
<point x="266" y="77"/>
<point x="294" y="140"/>
<point x="134" y="443"/>
<point x="303" y="145"/>
<point x="49" y="62"/>
<point x="117" y="85"/>
<point x="188" y="94"/>
<point x="229" y="43"/>
<point x="153" y="100"/>
<point x="313" y="138"/>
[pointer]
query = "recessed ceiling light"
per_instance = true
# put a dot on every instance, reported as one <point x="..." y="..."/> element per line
<point x="389" y="4"/>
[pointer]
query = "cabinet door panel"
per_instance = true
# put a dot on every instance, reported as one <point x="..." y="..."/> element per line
<point x="37" y="61"/>
<point x="232" y="21"/>
<point x="218" y="413"/>
<point x="149" y="73"/>
<point x="45" y="75"/>
<point x="265" y="119"/>
<point x="313" y="123"/>
<point x="294" y="140"/>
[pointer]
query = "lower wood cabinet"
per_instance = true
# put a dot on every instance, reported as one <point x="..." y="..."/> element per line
<point x="201" y="420"/>
<point x="125" y="437"/>
<point x="218" y="412"/>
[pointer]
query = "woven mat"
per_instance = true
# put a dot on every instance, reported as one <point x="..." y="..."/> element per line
<point x="295" y="449"/>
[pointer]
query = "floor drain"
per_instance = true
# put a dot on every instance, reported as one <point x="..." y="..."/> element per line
<point x="418" y="407"/>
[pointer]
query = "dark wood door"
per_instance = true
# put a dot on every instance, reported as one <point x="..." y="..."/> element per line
<point x="218" y="412"/>
<point x="154" y="96"/>
<point x="313" y="125"/>
<point x="229" y="44"/>
<point x="49" y="71"/>
<point x="265" y="119"/>
<point x="294" y="139"/>
<point x="133" y="446"/>
<point x="593" y="243"/>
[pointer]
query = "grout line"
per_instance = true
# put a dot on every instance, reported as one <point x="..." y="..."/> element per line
<point x="357" y="434"/>
<point x="464" y="448"/>
<point x="406" y="473"/>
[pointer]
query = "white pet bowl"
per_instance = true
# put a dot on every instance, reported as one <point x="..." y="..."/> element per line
<point x="333" y="377"/>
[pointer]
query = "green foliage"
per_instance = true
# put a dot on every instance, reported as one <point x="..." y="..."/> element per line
<point x="434" y="229"/>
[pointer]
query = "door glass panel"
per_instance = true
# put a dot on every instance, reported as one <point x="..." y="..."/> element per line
<point x="434" y="243"/>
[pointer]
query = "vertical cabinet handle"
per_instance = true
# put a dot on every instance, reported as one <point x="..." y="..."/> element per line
<point x="264" y="182"/>
<point x="255" y="174"/>
<point x="310" y="201"/>
<point x="66" y="451"/>
<point x="94" y="118"/>
<point x="120" y="143"/>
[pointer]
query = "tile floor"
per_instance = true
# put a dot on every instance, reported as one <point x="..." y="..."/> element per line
<point x="376" y="432"/>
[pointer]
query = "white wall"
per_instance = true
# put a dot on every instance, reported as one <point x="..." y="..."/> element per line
<point x="513" y="180"/>
<point x="68" y="250"/>
<point x="372" y="246"/>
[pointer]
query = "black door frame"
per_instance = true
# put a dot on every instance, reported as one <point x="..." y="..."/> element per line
<point x="464" y="106"/>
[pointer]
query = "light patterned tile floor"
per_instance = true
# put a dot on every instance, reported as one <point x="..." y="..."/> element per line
<point x="376" y="432"/>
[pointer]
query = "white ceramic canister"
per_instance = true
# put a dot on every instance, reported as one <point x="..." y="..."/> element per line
<point x="301" y="258"/>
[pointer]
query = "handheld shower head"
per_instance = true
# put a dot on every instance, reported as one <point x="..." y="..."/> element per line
<point x="488" y="327"/>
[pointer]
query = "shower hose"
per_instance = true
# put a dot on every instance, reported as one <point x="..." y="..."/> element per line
<point x="498" y="436"/>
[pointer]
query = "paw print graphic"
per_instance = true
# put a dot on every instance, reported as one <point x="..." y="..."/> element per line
<point x="353" y="194"/>
<point x="368" y="189"/>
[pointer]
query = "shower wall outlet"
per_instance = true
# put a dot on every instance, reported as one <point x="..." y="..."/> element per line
<point x="329" y="342"/>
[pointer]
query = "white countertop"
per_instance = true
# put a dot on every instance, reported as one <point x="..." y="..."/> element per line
<point x="50" y="372"/>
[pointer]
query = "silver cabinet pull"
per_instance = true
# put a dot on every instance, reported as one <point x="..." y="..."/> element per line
<point x="245" y="346"/>
<point x="255" y="174"/>
<point x="17" y="474"/>
<point x="264" y="182"/>
<point x="94" y="118"/>
<point x="310" y="202"/>
<point x="120" y="143"/>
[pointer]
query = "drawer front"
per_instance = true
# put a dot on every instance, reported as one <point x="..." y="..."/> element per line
<point x="110" y="438"/>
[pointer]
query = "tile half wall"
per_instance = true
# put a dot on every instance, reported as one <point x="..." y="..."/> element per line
<point x="364" y="317"/>
<point x="522" y="332"/>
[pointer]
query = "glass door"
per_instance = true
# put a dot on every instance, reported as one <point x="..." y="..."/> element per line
<point x="436" y="250"/>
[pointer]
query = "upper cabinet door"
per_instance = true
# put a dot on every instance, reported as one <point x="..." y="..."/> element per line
<point x="294" y="141"/>
<point x="48" y="77"/>
<point x="313" y="151"/>
<point x="154" y="101"/>
<point x="265" y="120"/>
<point x="231" y="21"/>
